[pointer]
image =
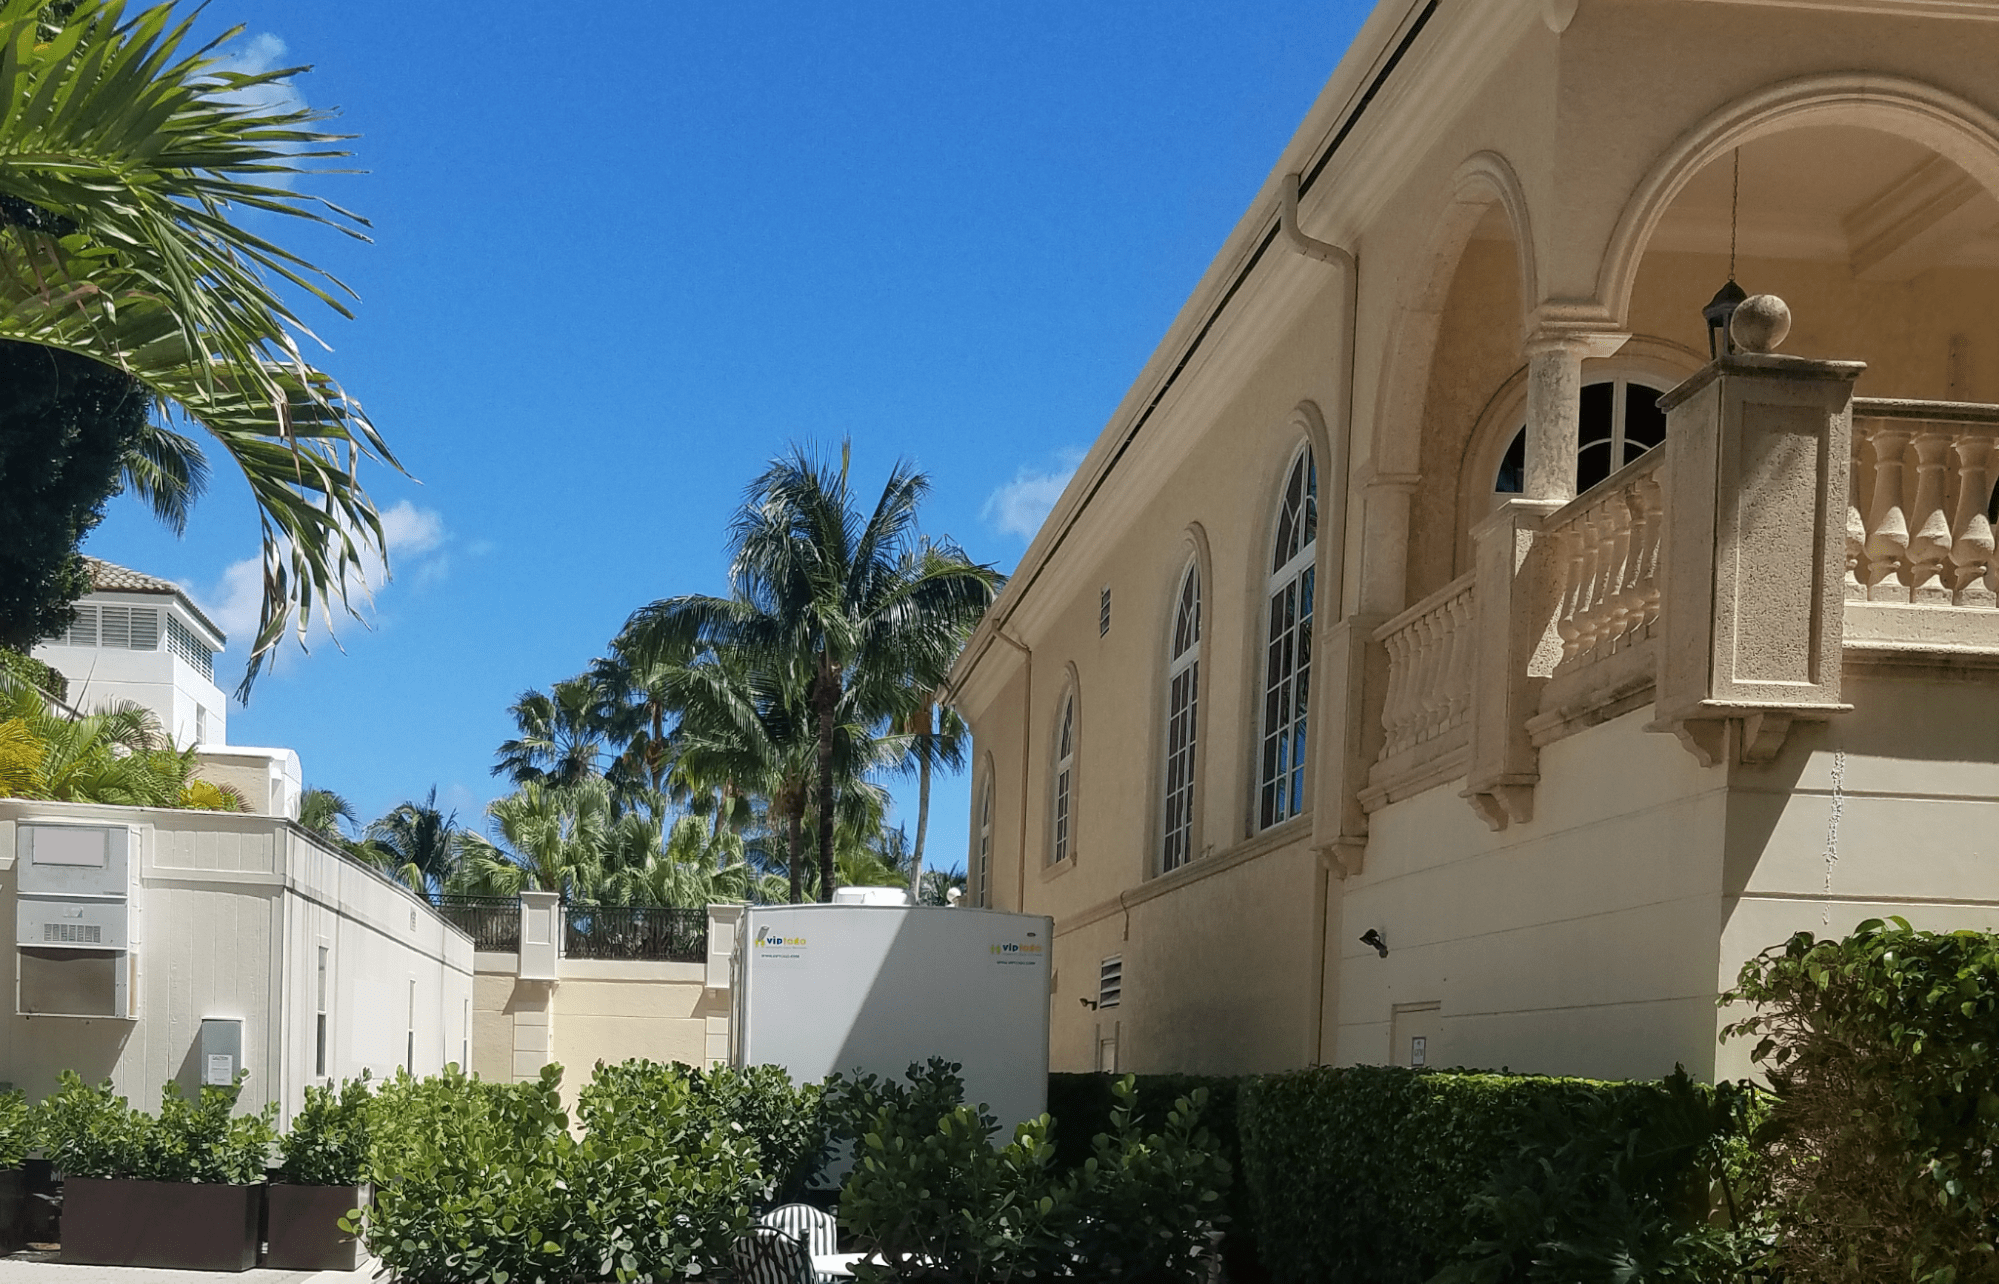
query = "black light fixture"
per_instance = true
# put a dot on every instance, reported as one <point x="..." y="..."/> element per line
<point x="1091" y="1004"/>
<point x="1721" y="309"/>
<point x="1372" y="936"/>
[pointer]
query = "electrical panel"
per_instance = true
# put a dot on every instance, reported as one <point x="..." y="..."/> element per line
<point x="75" y="920"/>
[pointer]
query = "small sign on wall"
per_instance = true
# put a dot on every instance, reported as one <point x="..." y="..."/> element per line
<point x="220" y="1071"/>
<point x="1419" y="1050"/>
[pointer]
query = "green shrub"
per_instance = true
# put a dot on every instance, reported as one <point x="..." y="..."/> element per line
<point x="1367" y="1173"/>
<point x="481" y="1182"/>
<point x="1610" y="1183"/>
<point x="86" y="1130"/>
<point x="327" y="1144"/>
<point x="45" y="678"/>
<point x="937" y="1200"/>
<point x="15" y="1141"/>
<point x="781" y="1120"/>
<point x="1880" y="1049"/>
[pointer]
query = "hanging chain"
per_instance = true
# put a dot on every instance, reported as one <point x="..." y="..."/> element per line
<point x="1734" y="212"/>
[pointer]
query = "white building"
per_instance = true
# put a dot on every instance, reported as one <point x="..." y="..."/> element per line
<point x="156" y="944"/>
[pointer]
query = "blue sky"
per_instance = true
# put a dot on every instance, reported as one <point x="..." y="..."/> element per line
<point x="624" y="252"/>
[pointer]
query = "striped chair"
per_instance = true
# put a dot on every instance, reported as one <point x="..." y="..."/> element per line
<point x="766" y="1255"/>
<point x="810" y="1226"/>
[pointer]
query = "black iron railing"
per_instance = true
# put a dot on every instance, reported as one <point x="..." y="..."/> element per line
<point x="635" y="932"/>
<point x="493" y="922"/>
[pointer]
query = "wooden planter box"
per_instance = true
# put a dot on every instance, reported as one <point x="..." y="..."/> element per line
<point x="303" y="1227"/>
<point x="13" y="1209"/>
<point x="185" y="1225"/>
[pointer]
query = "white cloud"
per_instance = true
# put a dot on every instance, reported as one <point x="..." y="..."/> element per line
<point x="1020" y="506"/>
<point x="261" y="53"/>
<point x="415" y="538"/>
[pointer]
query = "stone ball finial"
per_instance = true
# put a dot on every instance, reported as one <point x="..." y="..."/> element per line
<point x="1760" y="323"/>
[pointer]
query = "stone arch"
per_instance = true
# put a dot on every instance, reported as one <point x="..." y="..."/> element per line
<point x="1484" y="180"/>
<point x="1956" y="129"/>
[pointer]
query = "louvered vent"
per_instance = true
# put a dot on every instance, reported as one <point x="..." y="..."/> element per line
<point x="1104" y="612"/>
<point x="183" y="643"/>
<point x="72" y="934"/>
<point x="84" y="631"/>
<point x="1110" y="981"/>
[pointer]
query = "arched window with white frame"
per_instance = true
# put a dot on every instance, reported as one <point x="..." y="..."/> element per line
<point x="1287" y="668"/>
<point x="984" y="866"/>
<point x="1183" y="700"/>
<point x="1062" y="845"/>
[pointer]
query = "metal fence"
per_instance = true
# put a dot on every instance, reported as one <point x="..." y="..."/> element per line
<point x="493" y="922"/>
<point x="635" y="932"/>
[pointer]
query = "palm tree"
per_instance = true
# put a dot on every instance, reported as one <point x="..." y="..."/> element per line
<point x="637" y="703"/>
<point x="416" y="844"/>
<point x="321" y="811"/>
<point x="551" y="839"/>
<point x="118" y="755"/>
<point x="559" y="742"/>
<point x="126" y="148"/>
<point x="933" y="737"/>
<point x="852" y="603"/>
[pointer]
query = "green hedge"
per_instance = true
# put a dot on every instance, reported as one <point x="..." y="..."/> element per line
<point x="43" y="677"/>
<point x="1382" y="1175"/>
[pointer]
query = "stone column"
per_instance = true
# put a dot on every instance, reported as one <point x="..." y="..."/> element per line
<point x="1514" y="656"/>
<point x="1554" y="408"/>
<point x="1754" y="559"/>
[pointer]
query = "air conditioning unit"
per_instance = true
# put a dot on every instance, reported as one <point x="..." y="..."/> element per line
<point x="75" y="951"/>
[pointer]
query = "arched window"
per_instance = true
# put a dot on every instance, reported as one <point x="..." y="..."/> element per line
<point x="1288" y="652"/>
<point x="1183" y="698"/>
<point x="1064" y="845"/>
<point x="985" y="865"/>
<point x="1620" y="421"/>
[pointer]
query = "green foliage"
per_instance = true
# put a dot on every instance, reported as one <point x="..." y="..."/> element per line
<point x="15" y="1140"/>
<point x="781" y="1122"/>
<point x="29" y="671"/>
<point x="1881" y="1051"/>
<point x="328" y="1143"/>
<point x="118" y="756"/>
<point x="1367" y="1173"/>
<point x="86" y="1130"/>
<point x="934" y="1198"/>
<point x="485" y="1182"/>
<point x="66" y="423"/>
<point x="1611" y="1183"/>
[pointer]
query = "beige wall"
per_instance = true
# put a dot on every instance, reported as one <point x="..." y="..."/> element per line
<point x="597" y="1010"/>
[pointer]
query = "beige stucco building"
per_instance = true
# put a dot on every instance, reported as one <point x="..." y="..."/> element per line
<point x="1375" y="611"/>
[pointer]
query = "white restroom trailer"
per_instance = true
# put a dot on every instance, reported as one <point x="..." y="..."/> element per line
<point x="821" y="989"/>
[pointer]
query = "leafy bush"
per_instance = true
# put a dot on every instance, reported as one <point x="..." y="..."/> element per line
<point x="14" y="1137"/>
<point x="328" y="1141"/>
<point x="88" y="1131"/>
<point x="760" y="1103"/>
<point x="1366" y="1173"/>
<point x="45" y="678"/>
<point x="1617" y="1183"/>
<point x="1881" y="1051"/>
<point x="478" y="1181"/>
<point x="935" y="1199"/>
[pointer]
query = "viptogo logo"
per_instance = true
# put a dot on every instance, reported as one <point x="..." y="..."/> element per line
<point x="766" y="937"/>
<point x="1017" y="947"/>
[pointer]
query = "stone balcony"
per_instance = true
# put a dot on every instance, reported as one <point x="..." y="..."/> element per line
<point x="1725" y="579"/>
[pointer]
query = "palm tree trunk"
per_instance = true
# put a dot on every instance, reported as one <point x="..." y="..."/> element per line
<point x="793" y="819"/>
<point x="922" y="803"/>
<point x="827" y="699"/>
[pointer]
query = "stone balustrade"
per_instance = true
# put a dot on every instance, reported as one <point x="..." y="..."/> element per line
<point x="1918" y="529"/>
<point x="1429" y="667"/>
<point x="1606" y="553"/>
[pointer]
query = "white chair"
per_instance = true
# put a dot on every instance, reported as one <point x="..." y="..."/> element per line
<point x="814" y="1228"/>
<point x="765" y="1255"/>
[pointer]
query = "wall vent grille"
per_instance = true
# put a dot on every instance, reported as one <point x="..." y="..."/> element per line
<point x="72" y="934"/>
<point x="1110" y="981"/>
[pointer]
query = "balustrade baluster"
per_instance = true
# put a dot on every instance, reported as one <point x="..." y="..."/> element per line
<point x="1653" y="499"/>
<point x="1888" y="529"/>
<point x="1435" y="641"/>
<point x="1458" y="688"/>
<point x="1569" y="557"/>
<point x="1930" y="547"/>
<point x="1971" y="554"/>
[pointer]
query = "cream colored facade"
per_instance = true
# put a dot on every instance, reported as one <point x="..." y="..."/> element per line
<point x="535" y="1006"/>
<point x="1572" y="758"/>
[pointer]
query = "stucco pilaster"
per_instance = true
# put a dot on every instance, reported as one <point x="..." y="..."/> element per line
<point x="1513" y="656"/>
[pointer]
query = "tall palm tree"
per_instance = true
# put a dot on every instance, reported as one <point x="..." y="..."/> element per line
<point x="849" y="601"/>
<point x="559" y="742"/>
<point x="416" y="844"/>
<point x="322" y="812"/>
<point x="551" y="839"/>
<point x="933" y="736"/>
<point x="637" y="707"/>
<point x="126" y="148"/>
